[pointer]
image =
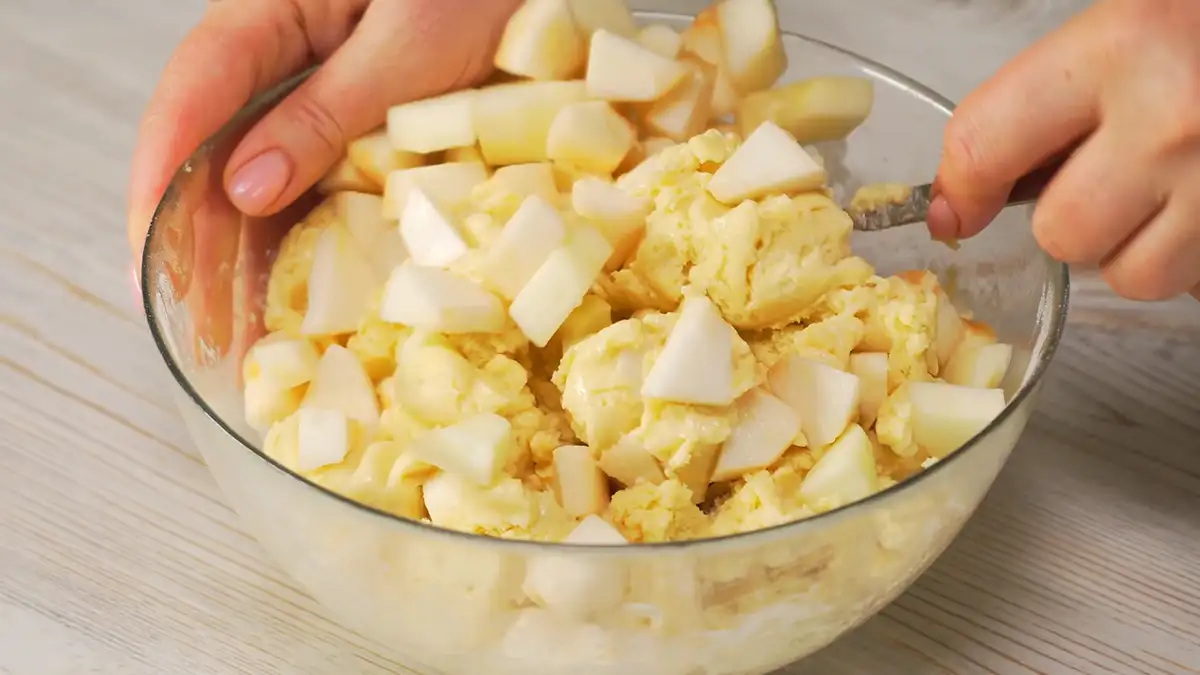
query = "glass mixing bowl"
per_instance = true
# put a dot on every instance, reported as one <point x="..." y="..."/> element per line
<point x="451" y="603"/>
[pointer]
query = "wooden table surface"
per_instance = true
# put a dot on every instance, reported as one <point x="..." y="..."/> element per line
<point x="118" y="555"/>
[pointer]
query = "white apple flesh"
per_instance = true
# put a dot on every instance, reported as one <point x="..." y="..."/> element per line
<point x="696" y="363"/>
<point x="769" y="162"/>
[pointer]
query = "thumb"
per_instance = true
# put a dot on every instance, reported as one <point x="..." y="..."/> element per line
<point x="400" y="51"/>
<point x="238" y="50"/>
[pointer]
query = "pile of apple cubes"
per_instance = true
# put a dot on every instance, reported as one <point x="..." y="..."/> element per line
<point x="642" y="90"/>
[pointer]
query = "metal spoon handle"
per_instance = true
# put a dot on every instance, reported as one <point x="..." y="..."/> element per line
<point x="915" y="208"/>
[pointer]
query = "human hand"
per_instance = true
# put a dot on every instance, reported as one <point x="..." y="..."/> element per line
<point x="1119" y="85"/>
<point x="373" y="55"/>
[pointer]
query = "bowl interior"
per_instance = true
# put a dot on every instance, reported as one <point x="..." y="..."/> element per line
<point x="201" y="305"/>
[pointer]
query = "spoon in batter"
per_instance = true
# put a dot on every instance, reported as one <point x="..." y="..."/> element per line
<point x="906" y="208"/>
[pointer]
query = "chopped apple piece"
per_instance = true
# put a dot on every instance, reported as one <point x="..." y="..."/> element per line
<point x="429" y="236"/>
<point x="949" y="332"/>
<point x="435" y="299"/>
<point x="620" y="216"/>
<point x="595" y="531"/>
<point x="611" y="15"/>
<point x="433" y="124"/>
<point x="872" y="371"/>
<point x="656" y="144"/>
<point x="343" y="176"/>
<point x="265" y="403"/>
<point x="591" y="316"/>
<point x="578" y="481"/>
<point x="703" y="40"/>
<point x="341" y="285"/>
<point x="285" y="362"/>
<point x="629" y="463"/>
<point x="362" y="214"/>
<point x="845" y="473"/>
<point x="946" y="416"/>
<point x="765" y="428"/>
<point x="979" y="364"/>
<point x="322" y="438"/>
<point x="527" y="240"/>
<point x="620" y="69"/>
<point x="379" y="237"/>
<point x="812" y="110"/>
<point x="825" y="398"/>
<point x="374" y="156"/>
<point x="513" y="120"/>
<point x="752" y="48"/>
<point x="559" y="285"/>
<point x="542" y="42"/>
<point x="684" y="111"/>
<point x="590" y="136"/>
<point x="448" y="185"/>
<point x="340" y="383"/>
<point x="696" y="363"/>
<point x="469" y="154"/>
<point x="662" y="40"/>
<point x="524" y="180"/>
<point x="579" y="588"/>
<point x="768" y="162"/>
<point x="477" y="448"/>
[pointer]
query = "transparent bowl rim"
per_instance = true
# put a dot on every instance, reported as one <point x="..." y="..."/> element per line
<point x="1046" y="342"/>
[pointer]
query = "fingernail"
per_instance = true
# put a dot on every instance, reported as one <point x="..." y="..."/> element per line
<point x="258" y="184"/>
<point x="944" y="223"/>
<point x="135" y="286"/>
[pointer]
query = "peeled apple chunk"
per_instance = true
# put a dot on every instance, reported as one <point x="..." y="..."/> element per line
<point x="322" y="438"/>
<point x="684" y="112"/>
<point x="769" y="162"/>
<point x="429" y="235"/>
<point x="620" y="216"/>
<point x="812" y="110"/>
<point x="844" y="474"/>
<point x="579" y="588"/>
<point x="345" y="176"/>
<point x="434" y="299"/>
<point x="341" y="384"/>
<point x="946" y="416"/>
<point x="620" y="69"/>
<point x="696" y="363"/>
<point x="448" y="185"/>
<point x="285" y="363"/>
<point x="341" y="285"/>
<point x="559" y="285"/>
<point x="950" y="330"/>
<point x="825" y="398"/>
<point x="580" y="484"/>
<point x="590" y="136"/>
<point x="765" y="428"/>
<point x="611" y="15"/>
<point x="477" y="448"/>
<point x="752" y="47"/>
<point x="513" y="120"/>
<point x="872" y="371"/>
<point x="433" y="124"/>
<point x="521" y="181"/>
<point x="979" y="364"/>
<point x="662" y="40"/>
<point x="374" y="156"/>
<point x="628" y="462"/>
<point x="542" y="42"/>
<point x="527" y="239"/>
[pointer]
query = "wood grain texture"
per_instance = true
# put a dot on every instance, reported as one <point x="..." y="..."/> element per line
<point x="118" y="555"/>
